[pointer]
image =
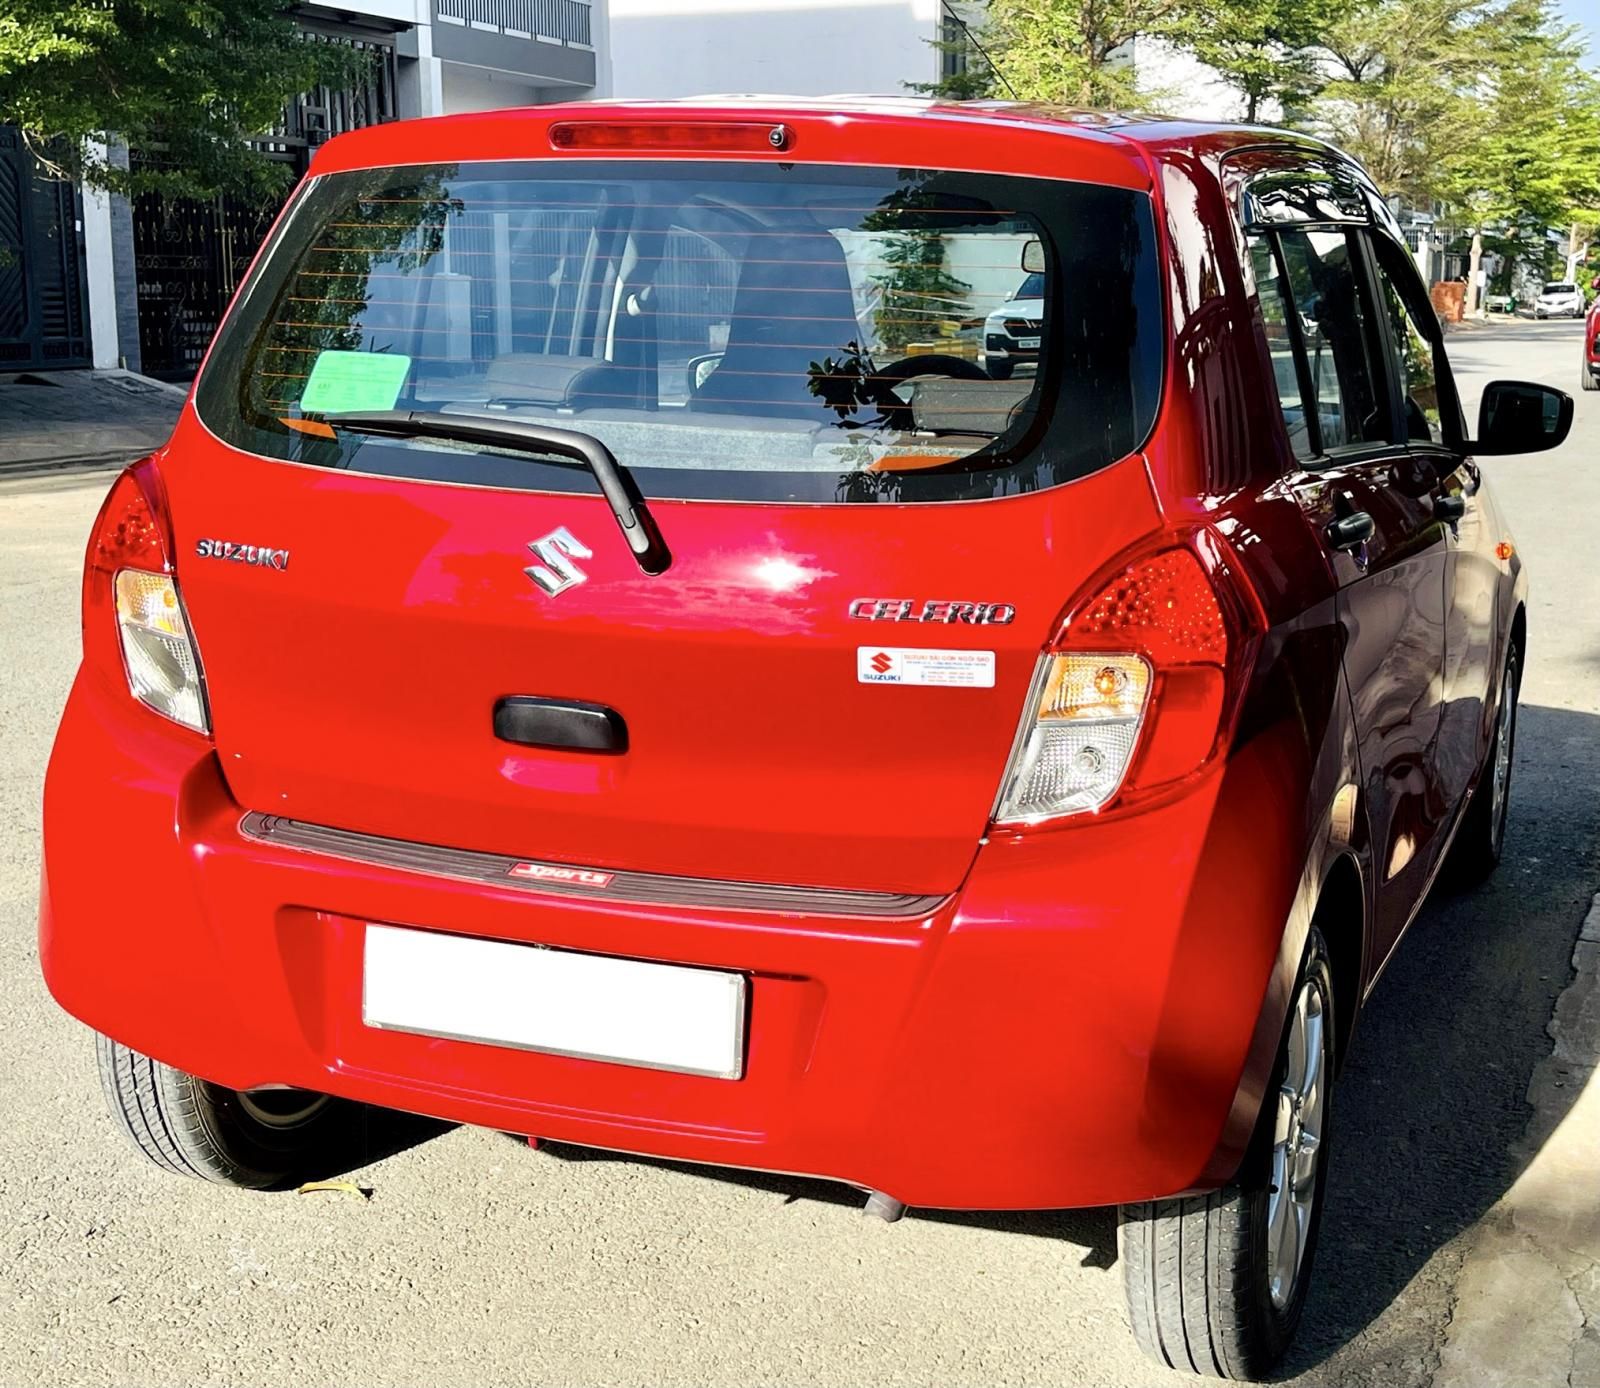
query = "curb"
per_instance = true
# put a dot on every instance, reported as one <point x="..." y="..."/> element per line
<point x="1527" y="1305"/>
<point x="70" y="464"/>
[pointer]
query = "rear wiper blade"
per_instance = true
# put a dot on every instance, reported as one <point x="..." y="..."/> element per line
<point x="638" y="526"/>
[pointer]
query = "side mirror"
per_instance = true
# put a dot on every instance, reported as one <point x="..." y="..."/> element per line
<point x="1521" y="417"/>
<point x="700" y="369"/>
<point x="1033" y="257"/>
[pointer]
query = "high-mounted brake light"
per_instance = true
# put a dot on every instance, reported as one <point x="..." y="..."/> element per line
<point x="129" y="583"/>
<point x="1139" y="687"/>
<point x="714" y="136"/>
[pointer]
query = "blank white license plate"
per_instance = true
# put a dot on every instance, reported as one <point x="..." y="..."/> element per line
<point x="661" y="1016"/>
<point x="1025" y="344"/>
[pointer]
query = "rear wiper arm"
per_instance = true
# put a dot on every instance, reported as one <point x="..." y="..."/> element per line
<point x="616" y="485"/>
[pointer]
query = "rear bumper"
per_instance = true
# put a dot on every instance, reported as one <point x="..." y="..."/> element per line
<point x="1072" y="1028"/>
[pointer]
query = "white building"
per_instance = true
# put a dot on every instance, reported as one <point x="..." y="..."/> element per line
<point x="676" y="48"/>
<point x="475" y="55"/>
<point x="151" y="282"/>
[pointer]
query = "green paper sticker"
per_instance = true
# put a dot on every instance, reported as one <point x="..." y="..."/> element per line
<point x="354" y="381"/>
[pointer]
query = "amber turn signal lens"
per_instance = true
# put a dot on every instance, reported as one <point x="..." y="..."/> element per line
<point x="1083" y="734"/>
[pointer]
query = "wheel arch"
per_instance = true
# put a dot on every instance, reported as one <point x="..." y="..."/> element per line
<point x="1341" y="915"/>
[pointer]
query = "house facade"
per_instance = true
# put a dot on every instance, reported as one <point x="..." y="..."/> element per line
<point x="88" y="279"/>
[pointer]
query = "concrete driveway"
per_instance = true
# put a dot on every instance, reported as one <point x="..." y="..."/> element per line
<point x="477" y="1261"/>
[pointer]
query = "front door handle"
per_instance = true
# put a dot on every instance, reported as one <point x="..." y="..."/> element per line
<point x="1350" y="532"/>
<point x="1449" y="508"/>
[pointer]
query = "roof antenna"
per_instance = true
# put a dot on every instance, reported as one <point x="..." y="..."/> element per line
<point x="970" y="37"/>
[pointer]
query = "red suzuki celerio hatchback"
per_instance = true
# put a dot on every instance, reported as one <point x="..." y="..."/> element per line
<point x="602" y="656"/>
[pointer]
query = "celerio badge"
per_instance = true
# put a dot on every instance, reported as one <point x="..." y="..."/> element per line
<point x="947" y="613"/>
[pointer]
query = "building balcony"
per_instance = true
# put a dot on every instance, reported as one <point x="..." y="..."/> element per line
<point x="545" y="42"/>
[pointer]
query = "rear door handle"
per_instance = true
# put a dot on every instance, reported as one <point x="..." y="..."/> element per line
<point x="568" y="723"/>
<point x="1449" y="508"/>
<point x="1350" y="532"/>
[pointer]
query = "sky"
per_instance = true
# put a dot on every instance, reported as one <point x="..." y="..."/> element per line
<point x="1586" y="14"/>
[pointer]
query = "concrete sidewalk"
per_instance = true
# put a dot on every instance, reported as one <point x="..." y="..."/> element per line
<point x="1527" y="1305"/>
<point x="78" y="420"/>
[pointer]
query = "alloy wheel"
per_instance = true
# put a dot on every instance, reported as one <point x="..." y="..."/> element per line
<point x="1297" y="1143"/>
<point x="1500" y="786"/>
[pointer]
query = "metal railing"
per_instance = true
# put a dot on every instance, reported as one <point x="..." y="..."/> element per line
<point x="563" y="21"/>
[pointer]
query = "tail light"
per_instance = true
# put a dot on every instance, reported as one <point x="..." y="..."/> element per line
<point x="130" y="588"/>
<point x="1139" y="688"/>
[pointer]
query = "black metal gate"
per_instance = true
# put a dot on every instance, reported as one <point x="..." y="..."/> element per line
<point x="44" y="316"/>
<point x="189" y="256"/>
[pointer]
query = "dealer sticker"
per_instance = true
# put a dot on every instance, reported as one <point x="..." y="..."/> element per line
<point x="899" y="665"/>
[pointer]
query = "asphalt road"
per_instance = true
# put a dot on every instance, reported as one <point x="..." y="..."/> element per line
<point x="477" y="1261"/>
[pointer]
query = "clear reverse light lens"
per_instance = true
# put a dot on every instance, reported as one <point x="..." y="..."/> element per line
<point x="157" y="652"/>
<point x="1079" y="738"/>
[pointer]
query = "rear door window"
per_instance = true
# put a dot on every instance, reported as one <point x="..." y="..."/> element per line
<point x="1315" y="291"/>
<point x="736" y="331"/>
<point x="1427" y="390"/>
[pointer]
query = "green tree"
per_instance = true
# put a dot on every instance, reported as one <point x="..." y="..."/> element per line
<point x="919" y="293"/>
<point x="1395" y="96"/>
<point x="192" y="79"/>
<point x="1525" y="141"/>
<point x="1269" y="51"/>
<point x="1071" y="52"/>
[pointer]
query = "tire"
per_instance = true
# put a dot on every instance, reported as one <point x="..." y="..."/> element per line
<point x="262" y="1141"/>
<point x="1586" y="378"/>
<point x="1205" y="1275"/>
<point x="1480" y="840"/>
<point x="1001" y="370"/>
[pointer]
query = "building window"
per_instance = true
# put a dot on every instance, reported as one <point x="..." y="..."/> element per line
<point x="954" y="49"/>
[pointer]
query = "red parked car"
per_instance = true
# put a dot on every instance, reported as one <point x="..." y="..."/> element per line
<point x="1589" y="376"/>
<point x="599" y="658"/>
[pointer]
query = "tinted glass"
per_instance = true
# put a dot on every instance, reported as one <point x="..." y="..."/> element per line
<point x="728" y="330"/>
<point x="1561" y="289"/>
<point x="1274" y="299"/>
<point x="1416" y="367"/>
<point x="1325" y="293"/>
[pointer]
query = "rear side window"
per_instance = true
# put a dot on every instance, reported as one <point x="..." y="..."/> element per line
<point x="738" y="331"/>
<point x="1322" y="287"/>
<point x="1276" y="305"/>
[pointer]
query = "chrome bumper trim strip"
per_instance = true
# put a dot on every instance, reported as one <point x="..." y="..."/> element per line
<point x="494" y="869"/>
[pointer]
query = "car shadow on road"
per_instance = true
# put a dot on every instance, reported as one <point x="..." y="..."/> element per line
<point x="1431" y="1105"/>
<point x="1093" y="1230"/>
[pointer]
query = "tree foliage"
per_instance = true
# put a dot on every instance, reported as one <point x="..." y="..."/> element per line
<point x="1524" y="146"/>
<point x="1485" y="107"/>
<point x="187" y="79"/>
<point x="1070" y="52"/>
<point x="1395" y="96"/>
<point x="1269" y="51"/>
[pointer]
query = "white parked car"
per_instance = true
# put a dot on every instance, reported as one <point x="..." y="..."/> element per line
<point x="1011" y="332"/>
<point x="1562" y="299"/>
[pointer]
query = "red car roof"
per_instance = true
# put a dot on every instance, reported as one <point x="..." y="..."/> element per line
<point x="998" y="137"/>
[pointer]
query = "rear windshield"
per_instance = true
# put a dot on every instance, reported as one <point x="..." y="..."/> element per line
<point x="734" y="331"/>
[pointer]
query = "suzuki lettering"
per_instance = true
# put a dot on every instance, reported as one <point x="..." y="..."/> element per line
<point x="558" y="572"/>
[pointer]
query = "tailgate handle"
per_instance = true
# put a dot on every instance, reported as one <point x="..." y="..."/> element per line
<point x="568" y="723"/>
